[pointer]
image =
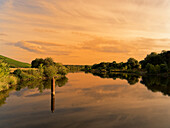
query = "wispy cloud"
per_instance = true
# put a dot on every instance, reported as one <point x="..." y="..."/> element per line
<point x="3" y="34"/>
<point x="91" y="29"/>
<point x="41" y="47"/>
<point x="45" y="30"/>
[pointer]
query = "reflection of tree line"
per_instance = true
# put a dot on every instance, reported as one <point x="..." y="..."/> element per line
<point x="157" y="84"/>
<point x="41" y="84"/>
<point x="4" y="95"/>
<point x="131" y="78"/>
<point x="32" y="84"/>
<point x="153" y="83"/>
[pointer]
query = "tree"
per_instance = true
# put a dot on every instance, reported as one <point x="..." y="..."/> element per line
<point x="150" y="68"/>
<point x="37" y="62"/>
<point x="133" y="63"/>
<point x="48" y="61"/>
<point x="163" y="68"/>
<point x="157" y="68"/>
<point x="156" y="59"/>
<point x="50" y="71"/>
<point x="41" y="69"/>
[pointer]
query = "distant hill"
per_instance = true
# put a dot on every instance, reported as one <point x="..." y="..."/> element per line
<point x="14" y="63"/>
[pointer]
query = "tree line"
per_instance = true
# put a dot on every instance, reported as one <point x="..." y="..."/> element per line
<point x="153" y="63"/>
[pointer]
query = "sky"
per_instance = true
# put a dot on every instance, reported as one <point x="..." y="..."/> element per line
<point x="83" y="31"/>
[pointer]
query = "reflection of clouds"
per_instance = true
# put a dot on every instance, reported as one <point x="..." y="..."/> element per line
<point x="76" y="106"/>
<point x="105" y="92"/>
<point x="24" y="92"/>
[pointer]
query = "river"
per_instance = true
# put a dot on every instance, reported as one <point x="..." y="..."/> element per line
<point x="88" y="101"/>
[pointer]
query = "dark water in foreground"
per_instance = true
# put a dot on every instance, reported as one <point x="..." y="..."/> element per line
<point x="88" y="101"/>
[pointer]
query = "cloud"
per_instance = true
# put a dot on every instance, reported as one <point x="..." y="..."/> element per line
<point x="3" y="34"/>
<point x="41" y="47"/>
<point x="137" y="47"/>
<point x="1" y="39"/>
<point x="45" y="30"/>
<point x="92" y="30"/>
<point x="105" y="45"/>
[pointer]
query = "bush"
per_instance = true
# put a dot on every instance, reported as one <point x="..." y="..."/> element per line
<point x="4" y="69"/>
<point x="17" y="72"/>
<point x="30" y="74"/>
<point x="12" y="80"/>
<point x="3" y="86"/>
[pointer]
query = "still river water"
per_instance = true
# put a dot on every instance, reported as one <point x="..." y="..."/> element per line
<point x="88" y="101"/>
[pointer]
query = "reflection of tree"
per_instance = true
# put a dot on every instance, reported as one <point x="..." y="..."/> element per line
<point x="157" y="84"/>
<point x="4" y="95"/>
<point x="131" y="78"/>
<point x="61" y="82"/>
<point x="31" y="84"/>
<point x="41" y="84"/>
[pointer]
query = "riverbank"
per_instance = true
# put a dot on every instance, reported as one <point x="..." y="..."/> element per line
<point x="135" y="72"/>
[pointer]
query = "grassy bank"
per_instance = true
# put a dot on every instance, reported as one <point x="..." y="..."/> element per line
<point x="14" y="63"/>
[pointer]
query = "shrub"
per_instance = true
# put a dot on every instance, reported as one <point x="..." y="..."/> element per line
<point x="3" y="86"/>
<point x="17" y="72"/>
<point x="12" y="80"/>
<point x="4" y="69"/>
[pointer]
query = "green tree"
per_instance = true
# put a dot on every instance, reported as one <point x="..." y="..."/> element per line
<point x="37" y="62"/>
<point x="163" y="68"/>
<point x="50" y="71"/>
<point x="41" y="69"/>
<point x="157" y="68"/>
<point x="150" y="68"/>
<point x="48" y="61"/>
<point x="133" y="63"/>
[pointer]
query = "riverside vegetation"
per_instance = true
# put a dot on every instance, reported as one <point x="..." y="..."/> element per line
<point x="42" y="69"/>
<point x="153" y="63"/>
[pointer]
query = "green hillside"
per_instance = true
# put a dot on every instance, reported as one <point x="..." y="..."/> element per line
<point x="13" y="63"/>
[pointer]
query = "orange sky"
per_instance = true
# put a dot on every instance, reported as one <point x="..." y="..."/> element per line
<point x="83" y="31"/>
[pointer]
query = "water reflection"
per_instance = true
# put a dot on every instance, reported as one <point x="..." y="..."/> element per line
<point x="52" y="95"/>
<point x="131" y="78"/>
<point x="157" y="84"/>
<point x="33" y="84"/>
<point x="153" y="83"/>
<point x="89" y="101"/>
<point x="4" y="95"/>
<point x="52" y="102"/>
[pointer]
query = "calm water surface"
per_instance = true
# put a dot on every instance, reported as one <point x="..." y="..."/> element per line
<point x="87" y="101"/>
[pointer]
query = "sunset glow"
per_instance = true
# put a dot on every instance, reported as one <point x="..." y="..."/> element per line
<point x="83" y="31"/>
